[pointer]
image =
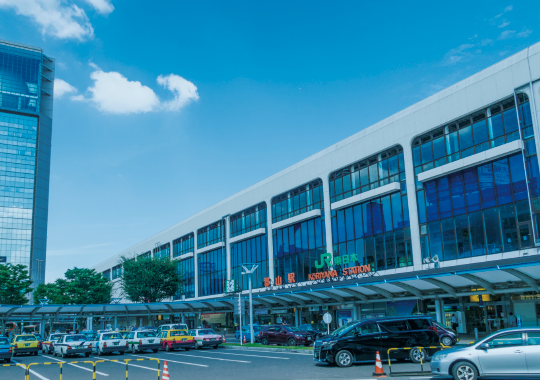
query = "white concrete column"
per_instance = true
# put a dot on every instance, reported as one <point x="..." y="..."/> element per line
<point x="297" y="317"/>
<point x="413" y="208"/>
<point x="327" y="215"/>
<point x="270" y="239"/>
<point x="439" y="311"/>
<point x="227" y="221"/>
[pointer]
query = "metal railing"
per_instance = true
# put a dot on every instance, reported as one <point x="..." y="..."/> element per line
<point x="413" y="373"/>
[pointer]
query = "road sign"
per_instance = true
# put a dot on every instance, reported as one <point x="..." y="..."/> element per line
<point x="327" y="318"/>
<point x="240" y="306"/>
<point x="231" y="286"/>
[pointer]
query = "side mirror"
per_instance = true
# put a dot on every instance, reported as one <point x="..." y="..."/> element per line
<point x="484" y="346"/>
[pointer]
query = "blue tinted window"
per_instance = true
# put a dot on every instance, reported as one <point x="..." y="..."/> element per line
<point x="386" y="213"/>
<point x="462" y="236"/>
<point x="445" y="207"/>
<point x="431" y="200"/>
<point x="422" y="217"/>
<point x="510" y="121"/>
<point x="298" y="201"/>
<point x="254" y="251"/>
<point x="458" y="198"/>
<point x="493" y="232"/>
<point x="427" y="153"/>
<point x="465" y="138"/>
<point x="519" y="184"/>
<point x="501" y="173"/>
<point x="495" y="126"/>
<point x="487" y="189"/>
<point x="449" y="239"/>
<point x="480" y="132"/>
<point x="435" y="244"/>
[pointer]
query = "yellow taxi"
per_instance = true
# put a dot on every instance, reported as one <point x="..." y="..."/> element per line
<point x="173" y="339"/>
<point x="25" y="344"/>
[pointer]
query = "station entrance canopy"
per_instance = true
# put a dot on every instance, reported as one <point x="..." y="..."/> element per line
<point x="520" y="275"/>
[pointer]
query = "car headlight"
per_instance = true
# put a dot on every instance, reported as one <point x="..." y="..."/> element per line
<point x="438" y="357"/>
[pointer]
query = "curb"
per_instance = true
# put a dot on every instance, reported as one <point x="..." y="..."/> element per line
<point x="264" y="349"/>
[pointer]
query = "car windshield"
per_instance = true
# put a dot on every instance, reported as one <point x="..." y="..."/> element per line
<point x="176" y="333"/>
<point x="439" y="325"/>
<point x="91" y="336"/>
<point x="26" y="338"/>
<point x="292" y="328"/>
<point x="146" y="334"/>
<point x="343" y="328"/>
<point x="206" y="332"/>
<point x="75" y="338"/>
<point x="307" y="327"/>
<point x="4" y="341"/>
<point x="180" y="327"/>
<point x="38" y="336"/>
<point x="112" y="336"/>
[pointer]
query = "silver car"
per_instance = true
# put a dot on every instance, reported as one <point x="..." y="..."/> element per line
<point x="509" y="353"/>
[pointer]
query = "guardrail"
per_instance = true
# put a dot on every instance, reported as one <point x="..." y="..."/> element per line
<point x="27" y="368"/>
<point x="412" y="373"/>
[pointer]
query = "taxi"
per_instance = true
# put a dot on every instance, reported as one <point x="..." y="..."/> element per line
<point x="173" y="339"/>
<point x="25" y="344"/>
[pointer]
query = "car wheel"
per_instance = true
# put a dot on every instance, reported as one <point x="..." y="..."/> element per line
<point x="99" y="352"/>
<point x="291" y="342"/>
<point x="464" y="371"/>
<point x="344" y="359"/>
<point x="264" y="342"/>
<point x="121" y="352"/>
<point x="187" y="348"/>
<point x="215" y="347"/>
<point x="8" y="360"/>
<point x="417" y="354"/>
<point x="447" y="341"/>
<point x="64" y="355"/>
<point x="167" y="348"/>
<point x="196" y="346"/>
<point x="54" y="353"/>
<point x="155" y="350"/>
<point x="35" y="353"/>
<point x="87" y="354"/>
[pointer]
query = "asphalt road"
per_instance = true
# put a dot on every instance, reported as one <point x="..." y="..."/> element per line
<point x="220" y="364"/>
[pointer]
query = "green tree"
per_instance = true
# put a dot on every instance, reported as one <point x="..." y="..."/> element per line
<point x="81" y="286"/>
<point x="149" y="280"/>
<point x="15" y="284"/>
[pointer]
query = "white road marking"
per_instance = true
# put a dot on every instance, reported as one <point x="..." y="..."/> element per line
<point x="256" y="356"/>
<point x="207" y="357"/>
<point x="172" y="361"/>
<point x="31" y="371"/>
<point x="124" y="363"/>
<point x="75" y="365"/>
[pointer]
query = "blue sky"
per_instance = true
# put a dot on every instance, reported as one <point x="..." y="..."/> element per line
<point x="169" y="107"/>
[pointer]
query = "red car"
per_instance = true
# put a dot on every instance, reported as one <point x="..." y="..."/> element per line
<point x="285" y="335"/>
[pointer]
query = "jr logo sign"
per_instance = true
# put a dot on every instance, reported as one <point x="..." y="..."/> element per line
<point x="326" y="258"/>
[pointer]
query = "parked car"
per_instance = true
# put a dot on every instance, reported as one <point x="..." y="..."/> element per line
<point x="111" y="342"/>
<point x="174" y="326"/>
<point x="72" y="344"/>
<point x="360" y="340"/>
<point x="246" y="332"/>
<point x="47" y="345"/>
<point x="5" y="350"/>
<point x="510" y="353"/>
<point x="25" y="344"/>
<point x="447" y="335"/>
<point x="206" y="337"/>
<point x="314" y="329"/>
<point x="285" y="335"/>
<point x="139" y="341"/>
<point x="124" y="334"/>
<point x="173" y="339"/>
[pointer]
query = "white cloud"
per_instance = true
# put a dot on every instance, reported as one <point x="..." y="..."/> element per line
<point x="509" y="8"/>
<point x="507" y="34"/>
<point x="458" y="54"/>
<point x="54" y="16"/>
<point x="504" y="23"/>
<point x="113" y="93"/>
<point x="62" y="87"/>
<point x="102" y="6"/>
<point x="524" y="33"/>
<point x="184" y="91"/>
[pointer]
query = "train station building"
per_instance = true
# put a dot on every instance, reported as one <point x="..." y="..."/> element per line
<point x="433" y="210"/>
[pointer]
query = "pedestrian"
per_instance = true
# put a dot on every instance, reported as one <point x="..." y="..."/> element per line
<point x="455" y="322"/>
<point x="512" y="320"/>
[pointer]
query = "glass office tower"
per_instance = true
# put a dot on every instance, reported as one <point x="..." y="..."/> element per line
<point x="26" y="89"/>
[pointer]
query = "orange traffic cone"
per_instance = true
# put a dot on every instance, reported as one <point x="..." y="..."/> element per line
<point x="245" y="339"/>
<point x="165" y="371"/>
<point x="224" y="341"/>
<point x="379" y="371"/>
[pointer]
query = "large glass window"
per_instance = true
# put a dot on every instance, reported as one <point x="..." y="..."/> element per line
<point x="298" y="201"/>
<point x="248" y="220"/>
<point x="20" y="79"/>
<point x="378" y="170"/>
<point x="253" y="251"/>
<point x="477" y="211"/>
<point x="475" y="133"/>
<point x="107" y="274"/>
<point x="162" y="251"/>
<point x="297" y="247"/>
<point x="146" y="255"/>
<point x="211" y="234"/>
<point x="186" y="278"/>
<point x="212" y="272"/>
<point x="375" y="233"/>
<point x="117" y="272"/>
<point x="183" y="245"/>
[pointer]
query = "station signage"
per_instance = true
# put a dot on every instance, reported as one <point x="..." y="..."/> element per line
<point x="336" y="270"/>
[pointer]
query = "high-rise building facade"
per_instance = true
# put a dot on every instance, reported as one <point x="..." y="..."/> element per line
<point x="435" y="209"/>
<point x="26" y="103"/>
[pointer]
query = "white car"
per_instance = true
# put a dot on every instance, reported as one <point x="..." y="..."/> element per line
<point x="111" y="342"/>
<point x="139" y="341"/>
<point x="72" y="344"/>
<point x="205" y="338"/>
<point x="48" y="346"/>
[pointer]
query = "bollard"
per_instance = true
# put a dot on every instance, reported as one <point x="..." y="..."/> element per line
<point x="476" y="334"/>
<point x="126" y="369"/>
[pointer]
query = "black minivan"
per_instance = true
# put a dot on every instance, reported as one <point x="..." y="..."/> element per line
<point x="360" y="340"/>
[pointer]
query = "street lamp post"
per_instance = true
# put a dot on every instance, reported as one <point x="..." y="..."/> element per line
<point x="249" y="272"/>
